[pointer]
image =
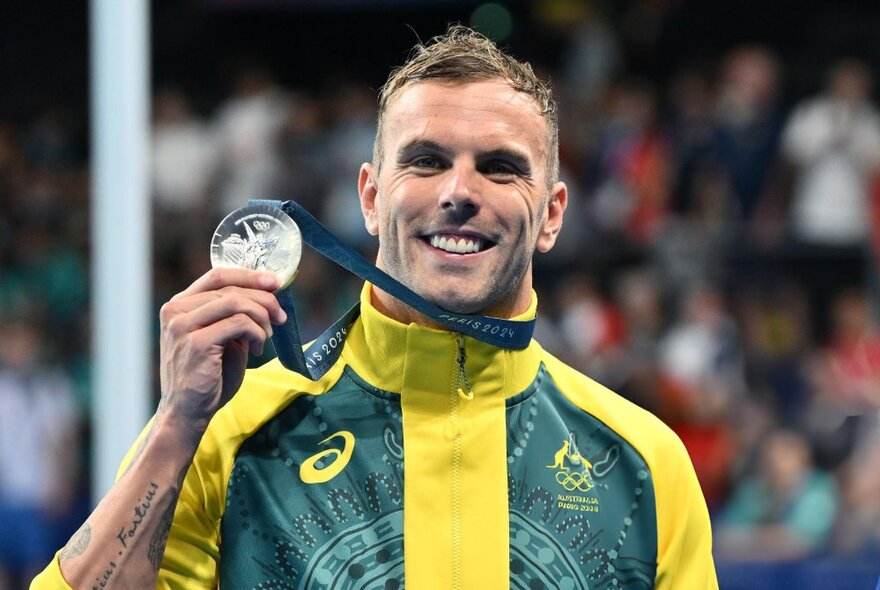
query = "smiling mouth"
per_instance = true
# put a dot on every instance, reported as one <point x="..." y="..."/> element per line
<point x="459" y="244"/>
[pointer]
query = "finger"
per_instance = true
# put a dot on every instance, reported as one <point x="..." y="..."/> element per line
<point x="217" y="278"/>
<point x="192" y="302"/>
<point x="236" y="327"/>
<point x="218" y="309"/>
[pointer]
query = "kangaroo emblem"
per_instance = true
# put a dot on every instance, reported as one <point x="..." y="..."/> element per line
<point x="559" y="458"/>
<point x="580" y="478"/>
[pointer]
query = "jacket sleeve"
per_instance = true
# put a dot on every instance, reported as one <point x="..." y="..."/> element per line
<point x="684" y="552"/>
<point x="50" y="578"/>
<point x="193" y="551"/>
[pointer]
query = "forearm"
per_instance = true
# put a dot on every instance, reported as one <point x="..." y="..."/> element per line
<point x="207" y="332"/>
<point x="122" y="543"/>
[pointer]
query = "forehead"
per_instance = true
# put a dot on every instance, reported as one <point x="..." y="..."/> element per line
<point x="472" y="113"/>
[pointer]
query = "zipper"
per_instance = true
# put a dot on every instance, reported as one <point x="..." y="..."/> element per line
<point x="468" y="393"/>
<point x="460" y="391"/>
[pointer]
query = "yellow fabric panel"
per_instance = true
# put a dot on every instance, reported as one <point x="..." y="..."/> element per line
<point x="456" y="523"/>
<point x="486" y="537"/>
<point x="51" y="578"/>
<point x="458" y="445"/>
<point x="427" y="451"/>
<point x="684" y="538"/>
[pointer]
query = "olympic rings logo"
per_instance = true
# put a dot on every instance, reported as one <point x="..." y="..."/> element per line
<point x="574" y="481"/>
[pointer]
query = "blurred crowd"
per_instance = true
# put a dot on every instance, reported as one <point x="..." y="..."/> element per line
<point x="718" y="267"/>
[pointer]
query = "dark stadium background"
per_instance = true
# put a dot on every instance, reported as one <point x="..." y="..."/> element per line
<point x="45" y="44"/>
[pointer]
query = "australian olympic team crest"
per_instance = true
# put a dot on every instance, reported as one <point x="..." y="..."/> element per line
<point x="573" y="474"/>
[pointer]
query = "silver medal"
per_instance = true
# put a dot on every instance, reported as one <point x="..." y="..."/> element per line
<point x="258" y="237"/>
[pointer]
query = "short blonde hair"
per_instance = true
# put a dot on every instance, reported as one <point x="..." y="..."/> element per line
<point x="463" y="55"/>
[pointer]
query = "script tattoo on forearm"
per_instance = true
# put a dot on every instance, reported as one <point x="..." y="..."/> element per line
<point x="105" y="578"/>
<point x="78" y="543"/>
<point x="156" y="548"/>
<point x="140" y="511"/>
<point x="126" y="533"/>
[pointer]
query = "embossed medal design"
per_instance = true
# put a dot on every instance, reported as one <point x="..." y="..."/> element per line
<point x="258" y="237"/>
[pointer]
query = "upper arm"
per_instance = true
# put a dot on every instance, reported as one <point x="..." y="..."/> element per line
<point x="684" y="552"/>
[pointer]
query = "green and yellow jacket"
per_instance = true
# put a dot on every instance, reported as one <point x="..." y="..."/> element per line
<point x="425" y="459"/>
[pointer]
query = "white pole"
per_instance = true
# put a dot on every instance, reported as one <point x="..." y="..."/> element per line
<point x="121" y="285"/>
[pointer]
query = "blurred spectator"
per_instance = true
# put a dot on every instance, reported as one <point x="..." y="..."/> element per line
<point x="637" y="292"/>
<point x="784" y="511"/>
<point x="774" y="322"/>
<point x="590" y="326"/>
<point x="349" y="144"/>
<point x="305" y="170"/>
<point x="183" y="164"/>
<point x="858" y="532"/>
<point x="845" y="374"/>
<point x="183" y="156"/>
<point x="748" y="128"/>
<point x="39" y="452"/>
<point x="702" y="379"/>
<point x="701" y="354"/>
<point x="848" y="376"/>
<point x="690" y="248"/>
<point x="691" y="131"/>
<point x="593" y="56"/>
<point x="631" y="198"/>
<point x="834" y="141"/>
<point x="43" y="262"/>
<point x="248" y="127"/>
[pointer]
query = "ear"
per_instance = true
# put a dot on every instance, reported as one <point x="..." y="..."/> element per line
<point x="368" y="188"/>
<point x="553" y="221"/>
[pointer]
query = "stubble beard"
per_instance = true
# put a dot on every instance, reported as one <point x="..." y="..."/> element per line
<point x="497" y="292"/>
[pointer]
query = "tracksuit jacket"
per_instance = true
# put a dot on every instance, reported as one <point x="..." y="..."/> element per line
<point x="429" y="460"/>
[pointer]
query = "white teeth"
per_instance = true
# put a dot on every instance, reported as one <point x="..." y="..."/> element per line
<point x="461" y="246"/>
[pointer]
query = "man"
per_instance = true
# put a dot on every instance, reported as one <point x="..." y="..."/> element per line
<point x="422" y="457"/>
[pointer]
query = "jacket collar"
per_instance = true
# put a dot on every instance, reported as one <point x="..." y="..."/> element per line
<point x="397" y="357"/>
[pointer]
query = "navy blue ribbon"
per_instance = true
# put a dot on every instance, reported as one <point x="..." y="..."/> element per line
<point x="324" y="351"/>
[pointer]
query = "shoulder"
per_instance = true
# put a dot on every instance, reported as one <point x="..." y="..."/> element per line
<point x="646" y="433"/>
<point x="264" y="392"/>
<point x="684" y="540"/>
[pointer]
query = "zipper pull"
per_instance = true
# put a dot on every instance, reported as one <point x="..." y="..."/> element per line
<point x="468" y="393"/>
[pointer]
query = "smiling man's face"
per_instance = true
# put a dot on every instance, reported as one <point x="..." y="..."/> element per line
<point x="461" y="199"/>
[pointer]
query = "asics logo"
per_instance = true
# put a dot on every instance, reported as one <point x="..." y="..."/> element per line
<point x="309" y="473"/>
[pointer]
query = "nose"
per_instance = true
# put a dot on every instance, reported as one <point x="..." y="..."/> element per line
<point x="460" y="194"/>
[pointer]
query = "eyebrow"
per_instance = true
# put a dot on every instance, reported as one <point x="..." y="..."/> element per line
<point x="413" y="148"/>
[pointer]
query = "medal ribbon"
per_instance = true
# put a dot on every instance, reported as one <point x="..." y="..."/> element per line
<point x="323" y="352"/>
